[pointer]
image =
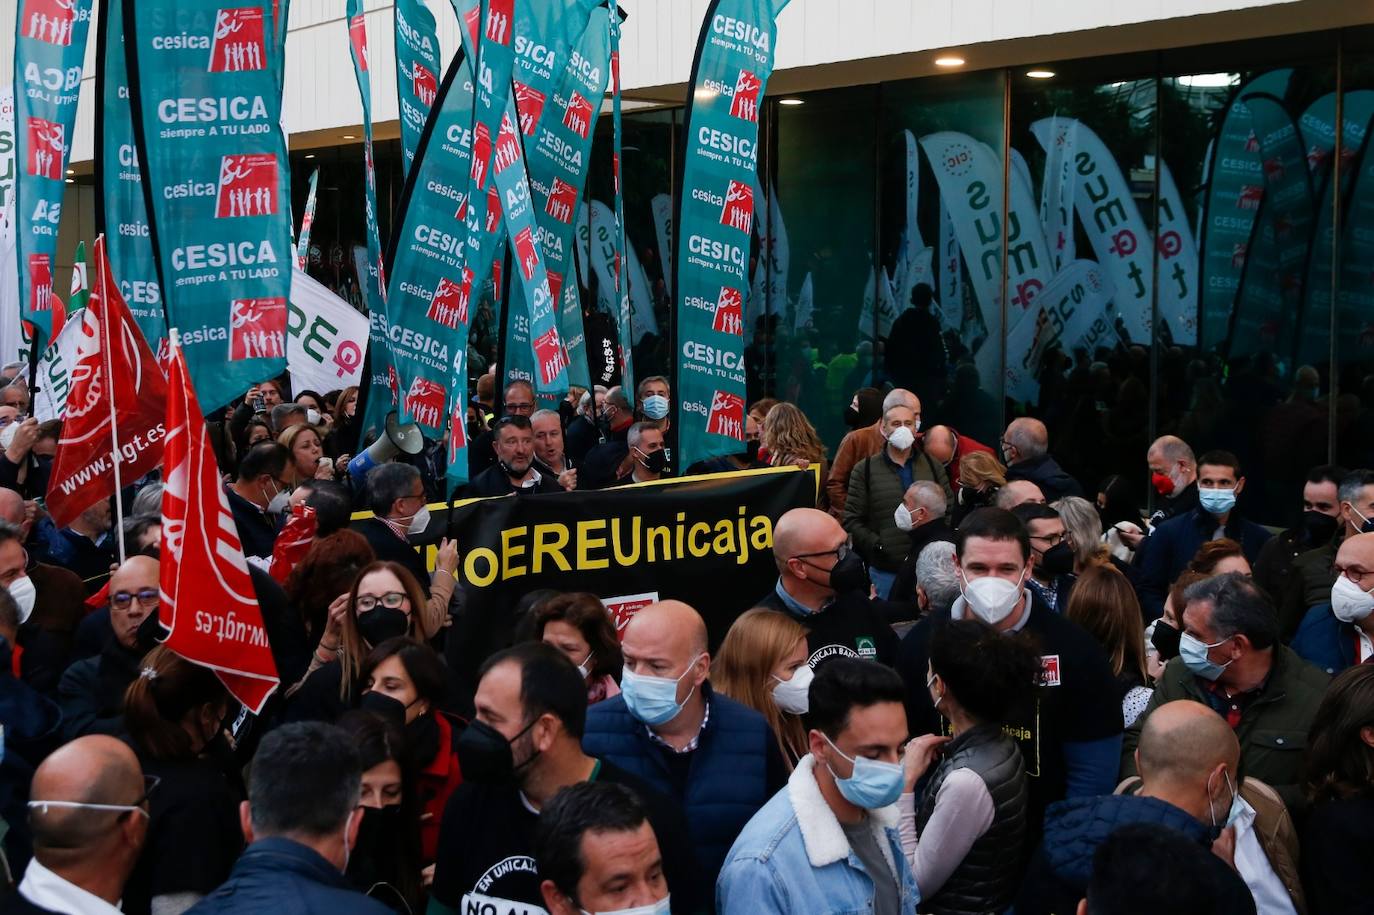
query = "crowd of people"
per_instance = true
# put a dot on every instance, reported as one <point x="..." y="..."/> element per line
<point x="976" y="685"/>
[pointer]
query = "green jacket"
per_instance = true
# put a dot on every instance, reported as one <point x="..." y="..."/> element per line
<point x="1273" y="730"/>
<point x="1308" y="584"/>
<point x="875" y="488"/>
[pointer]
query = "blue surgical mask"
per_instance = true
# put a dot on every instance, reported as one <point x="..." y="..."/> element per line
<point x="1193" y="651"/>
<point x="656" y="406"/>
<point x="1217" y="501"/>
<point x="872" y="784"/>
<point x="653" y="700"/>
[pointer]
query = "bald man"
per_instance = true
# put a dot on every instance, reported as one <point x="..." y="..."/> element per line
<point x="92" y="690"/>
<point x="1026" y="452"/>
<point x="946" y="445"/>
<point x="713" y="755"/>
<point x="823" y="585"/>
<point x="1188" y="757"/>
<point x="1018" y="492"/>
<point x="1173" y="473"/>
<point x="89" y="816"/>
<point x="1340" y="632"/>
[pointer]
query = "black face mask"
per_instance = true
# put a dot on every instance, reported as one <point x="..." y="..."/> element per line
<point x="1057" y="560"/>
<point x="382" y="623"/>
<point x="383" y="706"/>
<point x="379" y="835"/>
<point x="485" y="754"/>
<point x="1165" y="639"/>
<point x="656" y="461"/>
<point x="851" y="417"/>
<point x="750" y="454"/>
<point x="422" y="741"/>
<point x="1317" y="528"/>
<point x="849" y="575"/>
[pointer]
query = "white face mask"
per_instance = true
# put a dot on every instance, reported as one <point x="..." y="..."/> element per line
<point x="419" y="521"/>
<point x="1349" y="602"/>
<point x="24" y="594"/>
<point x="902" y="438"/>
<point x="990" y="598"/>
<point x="903" y="517"/>
<point x="312" y="416"/>
<point x="585" y="668"/>
<point x="279" y="503"/>
<point x="793" y="696"/>
<point x="662" y="907"/>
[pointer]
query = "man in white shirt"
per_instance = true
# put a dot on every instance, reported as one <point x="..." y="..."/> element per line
<point x="89" y="816"/>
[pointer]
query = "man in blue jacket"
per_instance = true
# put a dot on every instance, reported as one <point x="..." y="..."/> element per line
<point x="1340" y="634"/>
<point x="829" y="841"/>
<point x="716" y="757"/>
<point x="301" y="820"/>
<point x="1173" y="544"/>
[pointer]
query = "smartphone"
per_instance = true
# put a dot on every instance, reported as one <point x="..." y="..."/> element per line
<point x="258" y="404"/>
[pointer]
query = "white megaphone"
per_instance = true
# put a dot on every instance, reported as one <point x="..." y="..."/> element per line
<point x="397" y="439"/>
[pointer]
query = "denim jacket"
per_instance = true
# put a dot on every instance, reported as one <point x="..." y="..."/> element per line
<point x="794" y="857"/>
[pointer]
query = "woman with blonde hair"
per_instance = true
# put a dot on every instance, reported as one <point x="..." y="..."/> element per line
<point x="980" y="477"/>
<point x="1104" y="603"/>
<point x="787" y="437"/>
<point x="762" y="663"/>
<point x="1084" y="528"/>
<point x="303" y="441"/>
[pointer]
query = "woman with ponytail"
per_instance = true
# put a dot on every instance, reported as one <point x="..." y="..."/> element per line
<point x="176" y="713"/>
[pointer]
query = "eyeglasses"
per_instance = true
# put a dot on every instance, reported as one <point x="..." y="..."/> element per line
<point x="146" y="597"/>
<point x="840" y="552"/>
<point x="1052" y="539"/>
<point x="150" y="783"/>
<point x="519" y="407"/>
<point x="392" y="600"/>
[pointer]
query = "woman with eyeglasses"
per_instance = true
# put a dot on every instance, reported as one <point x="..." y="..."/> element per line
<point x="176" y="714"/>
<point x="385" y="862"/>
<point x="405" y="681"/>
<point x="382" y="603"/>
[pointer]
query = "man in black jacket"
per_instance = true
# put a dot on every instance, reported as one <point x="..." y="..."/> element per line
<point x="396" y="496"/>
<point x="822" y="584"/>
<point x="259" y="485"/>
<point x="517" y="400"/>
<point x="514" y="471"/>
<point x="602" y="464"/>
<point x="1026" y="448"/>
<point x="922" y="515"/>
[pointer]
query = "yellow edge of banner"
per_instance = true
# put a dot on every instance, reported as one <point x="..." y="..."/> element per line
<point x="814" y="469"/>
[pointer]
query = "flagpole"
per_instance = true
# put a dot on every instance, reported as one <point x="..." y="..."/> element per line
<point x="105" y="345"/>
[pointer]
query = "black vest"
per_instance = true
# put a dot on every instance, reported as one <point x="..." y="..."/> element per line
<point x="987" y="879"/>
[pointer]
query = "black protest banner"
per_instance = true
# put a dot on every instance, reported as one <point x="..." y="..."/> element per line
<point x="706" y="540"/>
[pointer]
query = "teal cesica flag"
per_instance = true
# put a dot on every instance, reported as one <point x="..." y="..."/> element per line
<point x="417" y="73"/>
<point x="123" y="213"/>
<point x="207" y="111"/>
<point x="49" y="48"/>
<point x="715" y="218"/>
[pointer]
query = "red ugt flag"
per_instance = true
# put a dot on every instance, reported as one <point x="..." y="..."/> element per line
<point x="207" y="596"/>
<point x="113" y="362"/>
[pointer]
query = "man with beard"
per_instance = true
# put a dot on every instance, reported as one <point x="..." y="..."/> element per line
<point x="514" y="470"/>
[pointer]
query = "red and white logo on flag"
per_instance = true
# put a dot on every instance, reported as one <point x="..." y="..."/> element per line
<point x="40" y="283"/>
<point x="425" y="402"/>
<point x="49" y="21"/>
<point x="449" y="304"/>
<point x="46" y="143"/>
<point x="470" y="22"/>
<point x="555" y="285"/>
<point x="239" y="41"/>
<point x="578" y="116"/>
<point x="551" y="355"/>
<point x="729" y="317"/>
<point x="562" y="200"/>
<point x="500" y="14"/>
<point x="394" y="384"/>
<point x="738" y="212"/>
<point x="507" y="146"/>
<point x="247" y="186"/>
<point x="357" y="36"/>
<point x="744" y="104"/>
<point x="1249" y="197"/>
<point x="424" y="84"/>
<point x="727" y="415"/>
<point x="257" y="328"/>
<point x="526" y="252"/>
<point x="529" y="103"/>
<point x="481" y="154"/>
<point x="458" y="428"/>
<point x="494" y="211"/>
<point x="208" y="601"/>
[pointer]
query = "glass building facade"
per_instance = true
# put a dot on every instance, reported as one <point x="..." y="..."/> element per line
<point x="1178" y="241"/>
